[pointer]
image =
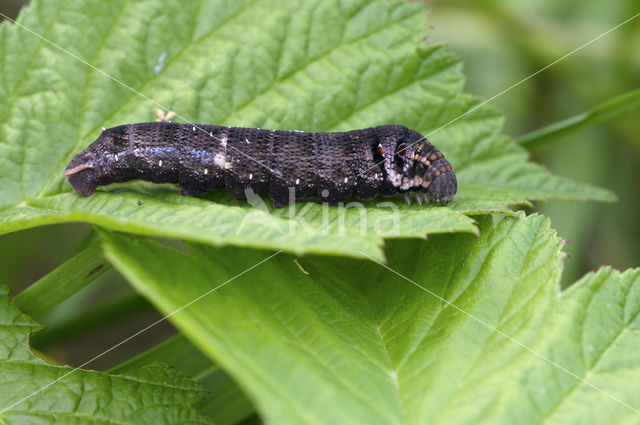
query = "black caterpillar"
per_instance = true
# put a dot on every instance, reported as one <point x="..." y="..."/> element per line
<point x="288" y="165"/>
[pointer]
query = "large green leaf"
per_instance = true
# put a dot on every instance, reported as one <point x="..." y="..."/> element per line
<point x="33" y="391"/>
<point x="329" y="340"/>
<point x="314" y="65"/>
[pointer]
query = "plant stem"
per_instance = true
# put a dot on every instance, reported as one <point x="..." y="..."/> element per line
<point x="60" y="284"/>
<point x="114" y="311"/>
<point x="545" y="136"/>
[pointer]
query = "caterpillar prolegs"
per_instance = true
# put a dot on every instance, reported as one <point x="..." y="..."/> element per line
<point x="329" y="166"/>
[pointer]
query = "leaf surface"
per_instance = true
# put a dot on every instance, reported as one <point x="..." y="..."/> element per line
<point x="152" y="394"/>
<point x="309" y="65"/>
<point x="224" y="403"/>
<point x="457" y="330"/>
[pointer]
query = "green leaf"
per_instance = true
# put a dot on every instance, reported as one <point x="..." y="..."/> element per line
<point x="152" y="394"/>
<point x="457" y="330"/>
<point x="225" y="403"/>
<point x="312" y="65"/>
<point x="545" y="136"/>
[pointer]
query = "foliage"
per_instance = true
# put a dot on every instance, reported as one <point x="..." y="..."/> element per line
<point x="365" y="327"/>
<point x="430" y="339"/>
<point x="276" y="73"/>
<point x="503" y="41"/>
<point x="152" y="394"/>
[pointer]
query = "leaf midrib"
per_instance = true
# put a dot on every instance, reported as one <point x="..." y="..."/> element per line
<point x="327" y="367"/>
<point x="393" y="371"/>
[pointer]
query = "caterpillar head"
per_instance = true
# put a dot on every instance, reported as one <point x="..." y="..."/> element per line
<point x="444" y="185"/>
<point x="420" y="167"/>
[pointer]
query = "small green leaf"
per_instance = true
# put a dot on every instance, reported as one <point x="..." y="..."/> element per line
<point x="33" y="391"/>
<point x="332" y="340"/>
<point x="311" y="65"/>
<point x="225" y="403"/>
<point x="545" y="136"/>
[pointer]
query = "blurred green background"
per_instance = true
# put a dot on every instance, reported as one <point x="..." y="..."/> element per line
<point x="501" y="42"/>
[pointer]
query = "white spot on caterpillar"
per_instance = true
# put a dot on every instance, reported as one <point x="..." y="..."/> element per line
<point x="250" y="176"/>
<point x="104" y="129"/>
<point x="160" y="163"/>
<point x="394" y="177"/>
<point x="297" y="181"/>
<point x="219" y="160"/>
<point x="346" y="179"/>
<point x="211" y="134"/>
<point x="247" y="140"/>
<point x="194" y="128"/>
<point x="223" y="141"/>
<point x="324" y="193"/>
<point x="158" y="68"/>
<point x="206" y="171"/>
<point x="227" y="165"/>
<point x="116" y="157"/>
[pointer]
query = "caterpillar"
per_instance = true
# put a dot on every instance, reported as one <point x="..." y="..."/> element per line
<point x="288" y="165"/>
